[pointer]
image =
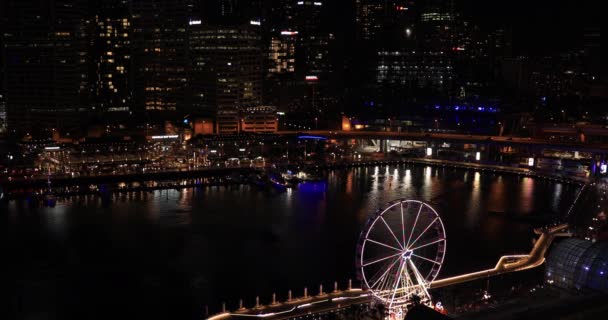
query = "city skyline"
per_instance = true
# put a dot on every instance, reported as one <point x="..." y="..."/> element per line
<point x="133" y="60"/>
<point x="303" y="159"/>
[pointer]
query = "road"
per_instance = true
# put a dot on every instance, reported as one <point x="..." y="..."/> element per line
<point x="455" y="137"/>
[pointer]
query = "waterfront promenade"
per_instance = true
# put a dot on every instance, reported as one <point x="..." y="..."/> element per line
<point x="295" y="308"/>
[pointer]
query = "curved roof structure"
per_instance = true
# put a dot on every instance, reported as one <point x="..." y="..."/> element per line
<point x="578" y="264"/>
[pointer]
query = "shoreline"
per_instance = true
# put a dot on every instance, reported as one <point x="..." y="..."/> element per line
<point x="210" y="177"/>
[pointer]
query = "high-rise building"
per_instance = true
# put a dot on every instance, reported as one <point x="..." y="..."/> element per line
<point x="313" y="42"/>
<point x="384" y="21"/>
<point x="280" y="14"/>
<point x="160" y="45"/>
<point x="403" y="75"/>
<point x="226" y="66"/>
<point x="112" y="56"/>
<point x="281" y="54"/>
<point x="435" y="27"/>
<point x="46" y="64"/>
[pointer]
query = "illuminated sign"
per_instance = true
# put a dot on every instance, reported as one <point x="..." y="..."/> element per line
<point x="312" y="138"/>
<point x="51" y="148"/>
<point x="530" y="162"/>
<point x="429" y="151"/>
<point x="603" y="168"/>
<point x="255" y="23"/>
<point x="195" y="22"/>
<point x="477" y="155"/>
<point x="165" y="137"/>
<point x="289" y="33"/>
<point x="312" y="78"/>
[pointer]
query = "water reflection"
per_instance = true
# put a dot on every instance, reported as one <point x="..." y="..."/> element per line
<point x="526" y="199"/>
<point x="557" y="194"/>
<point x="473" y="212"/>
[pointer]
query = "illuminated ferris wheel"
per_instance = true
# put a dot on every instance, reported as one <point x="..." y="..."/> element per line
<point x="400" y="252"/>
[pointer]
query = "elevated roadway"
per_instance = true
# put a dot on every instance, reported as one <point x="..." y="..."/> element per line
<point x="456" y="138"/>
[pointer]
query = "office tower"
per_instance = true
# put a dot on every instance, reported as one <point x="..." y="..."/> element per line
<point x="160" y="45"/>
<point x="280" y="77"/>
<point x="313" y="42"/>
<point x="435" y="26"/>
<point x="281" y="54"/>
<point x="226" y="63"/>
<point x="112" y="56"/>
<point x="385" y="21"/>
<point x="46" y="65"/>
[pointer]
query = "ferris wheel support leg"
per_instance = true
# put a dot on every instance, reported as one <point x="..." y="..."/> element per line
<point x="423" y="283"/>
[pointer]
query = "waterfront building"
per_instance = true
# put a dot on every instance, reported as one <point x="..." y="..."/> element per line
<point x="260" y="119"/>
<point x="228" y="121"/>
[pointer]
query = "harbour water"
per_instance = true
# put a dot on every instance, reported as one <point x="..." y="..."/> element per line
<point x="168" y="253"/>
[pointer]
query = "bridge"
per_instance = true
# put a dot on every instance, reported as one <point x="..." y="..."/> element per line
<point x="336" y="300"/>
<point x="456" y="138"/>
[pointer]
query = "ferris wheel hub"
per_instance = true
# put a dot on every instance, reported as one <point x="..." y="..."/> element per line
<point x="407" y="254"/>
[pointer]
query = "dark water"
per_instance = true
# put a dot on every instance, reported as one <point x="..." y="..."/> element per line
<point x="167" y="254"/>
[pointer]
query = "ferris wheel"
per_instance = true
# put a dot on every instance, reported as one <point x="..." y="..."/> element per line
<point x="400" y="252"/>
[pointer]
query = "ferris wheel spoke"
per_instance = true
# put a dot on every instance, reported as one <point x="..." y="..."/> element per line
<point x="425" y="230"/>
<point x="384" y="274"/>
<point x="397" y="283"/>
<point x="402" y="224"/>
<point x="381" y="259"/>
<point x="382" y="244"/>
<point x="427" y="244"/>
<point x="427" y="259"/>
<point x="421" y="280"/>
<point x="414" y="226"/>
<point x="391" y="231"/>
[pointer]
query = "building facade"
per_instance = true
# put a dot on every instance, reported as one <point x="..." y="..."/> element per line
<point x="46" y="65"/>
<point x="226" y="64"/>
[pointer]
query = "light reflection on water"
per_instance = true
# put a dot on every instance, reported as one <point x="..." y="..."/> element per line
<point x="207" y="245"/>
